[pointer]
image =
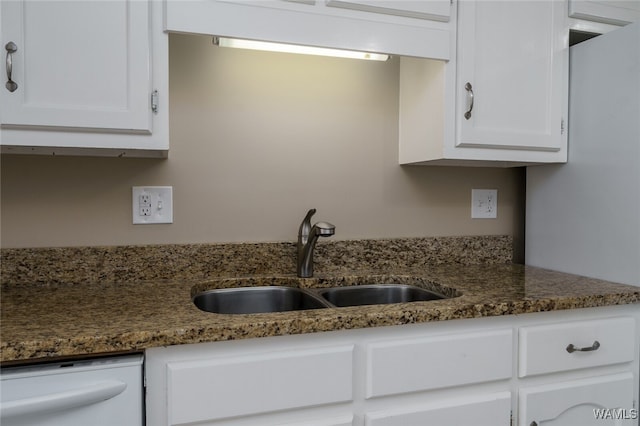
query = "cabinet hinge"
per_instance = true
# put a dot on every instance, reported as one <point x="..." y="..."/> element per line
<point x="511" y="418"/>
<point x="154" y="101"/>
<point x="562" y="126"/>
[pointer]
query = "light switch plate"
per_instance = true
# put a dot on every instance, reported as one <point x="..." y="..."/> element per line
<point x="484" y="203"/>
<point x="152" y="204"/>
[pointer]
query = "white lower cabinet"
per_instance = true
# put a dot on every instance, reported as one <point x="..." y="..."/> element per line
<point x="606" y="400"/>
<point x="588" y="397"/>
<point x="498" y="371"/>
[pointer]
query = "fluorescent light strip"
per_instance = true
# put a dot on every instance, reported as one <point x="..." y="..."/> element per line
<point x="293" y="48"/>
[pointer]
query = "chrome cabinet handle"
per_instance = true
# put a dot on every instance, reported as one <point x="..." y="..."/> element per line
<point x="571" y="348"/>
<point x="11" y="49"/>
<point x="469" y="90"/>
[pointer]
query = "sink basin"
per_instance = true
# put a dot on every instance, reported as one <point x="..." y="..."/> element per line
<point x="376" y="294"/>
<point x="253" y="300"/>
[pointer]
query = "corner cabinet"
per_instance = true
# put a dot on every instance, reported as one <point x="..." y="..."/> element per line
<point x="502" y="101"/>
<point x="84" y="78"/>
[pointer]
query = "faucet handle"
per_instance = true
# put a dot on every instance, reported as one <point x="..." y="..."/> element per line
<point x="324" y="229"/>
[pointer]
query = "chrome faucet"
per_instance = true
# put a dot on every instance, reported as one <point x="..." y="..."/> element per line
<point x="307" y="237"/>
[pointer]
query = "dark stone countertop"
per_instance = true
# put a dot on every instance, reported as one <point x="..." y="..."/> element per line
<point x="58" y="320"/>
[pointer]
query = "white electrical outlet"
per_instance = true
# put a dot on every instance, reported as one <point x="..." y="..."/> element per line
<point x="484" y="203"/>
<point x="152" y="204"/>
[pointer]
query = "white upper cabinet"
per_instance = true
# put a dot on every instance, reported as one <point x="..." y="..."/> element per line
<point x="79" y="64"/>
<point x="502" y="102"/>
<point x="84" y="76"/>
<point x="436" y="10"/>
<point x="606" y="11"/>
<point x="510" y="83"/>
<point x="403" y="27"/>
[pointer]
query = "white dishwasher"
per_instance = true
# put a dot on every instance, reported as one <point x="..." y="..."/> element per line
<point x="98" y="392"/>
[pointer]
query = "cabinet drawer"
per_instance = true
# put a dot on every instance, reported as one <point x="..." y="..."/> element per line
<point x="481" y="410"/>
<point x="338" y="421"/>
<point x="231" y="386"/>
<point x="545" y="348"/>
<point x="441" y="361"/>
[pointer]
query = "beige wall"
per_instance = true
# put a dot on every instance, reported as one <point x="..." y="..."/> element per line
<point x="257" y="139"/>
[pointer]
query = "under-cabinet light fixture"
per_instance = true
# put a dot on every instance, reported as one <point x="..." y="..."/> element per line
<point x="294" y="48"/>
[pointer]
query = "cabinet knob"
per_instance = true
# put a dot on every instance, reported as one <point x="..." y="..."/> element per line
<point x="11" y="49"/>
<point x="469" y="90"/>
<point x="594" y="347"/>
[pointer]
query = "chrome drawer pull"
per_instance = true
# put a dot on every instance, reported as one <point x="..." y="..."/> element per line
<point x="571" y="348"/>
<point x="11" y="48"/>
<point x="469" y="90"/>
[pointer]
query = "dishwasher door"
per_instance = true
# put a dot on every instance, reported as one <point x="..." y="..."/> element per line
<point x="99" y="392"/>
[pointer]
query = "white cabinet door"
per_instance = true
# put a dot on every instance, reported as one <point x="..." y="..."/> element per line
<point x="512" y="77"/>
<point x="503" y="98"/>
<point x="482" y="410"/>
<point x="605" y="400"/>
<point x="78" y="64"/>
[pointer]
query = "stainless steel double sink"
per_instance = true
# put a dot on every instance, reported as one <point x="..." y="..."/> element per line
<point x="263" y="299"/>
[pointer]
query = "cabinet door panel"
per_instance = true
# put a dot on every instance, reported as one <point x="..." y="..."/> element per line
<point x="264" y="382"/>
<point x="79" y="64"/>
<point x="573" y="403"/>
<point x="514" y="59"/>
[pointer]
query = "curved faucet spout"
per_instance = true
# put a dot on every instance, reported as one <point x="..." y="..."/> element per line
<point x="305" y="227"/>
<point x="307" y="237"/>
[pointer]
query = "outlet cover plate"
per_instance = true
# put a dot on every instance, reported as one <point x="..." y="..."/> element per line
<point x="152" y="204"/>
<point x="484" y="203"/>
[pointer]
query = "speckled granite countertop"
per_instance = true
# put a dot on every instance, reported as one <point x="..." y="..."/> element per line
<point x="59" y="319"/>
<point x="64" y="320"/>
